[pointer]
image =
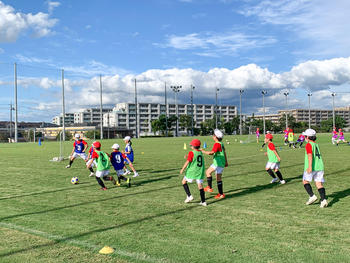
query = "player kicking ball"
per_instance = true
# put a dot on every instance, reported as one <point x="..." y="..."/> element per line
<point x="219" y="163"/>
<point x="103" y="165"/>
<point x="313" y="169"/>
<point x="79" y="148"/>
<point x="273" y="163"/>
<point x="194" y="166"/>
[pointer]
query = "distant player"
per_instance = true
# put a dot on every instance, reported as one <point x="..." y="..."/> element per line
<point x="79" y="148"/>
<point x="103" y="165"/>
<point x="341" y="137"/>
<point x="118" y="160"/>
<point x="257" y="133"/>
<point x="334" y="135"/>
<point x="91" y="150"/>
<point x="219" y="163"/>
<point x="291" y="138"/>
<point x="313" y="169"/>
<point x="194" y="166"/>
<point x="129" y="152"/>
<point x="273" y="163"/>
<point x="286" y="131"/>
<point x="301" y="140"/>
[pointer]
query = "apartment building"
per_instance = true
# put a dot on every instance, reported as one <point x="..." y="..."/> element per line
<point x="68" y="119"/>
<point x="274" y="118"/>
<point x="89" y="116"/>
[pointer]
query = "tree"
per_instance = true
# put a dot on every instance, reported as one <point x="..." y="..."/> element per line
<point x="327" y="125"/>
<point x="208" y="126"/>
<point x="291" y="122"/>
<point x="159" y="125"/>
<point x="185" y="122"/>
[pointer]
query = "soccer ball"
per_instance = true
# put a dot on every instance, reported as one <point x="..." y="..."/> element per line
<point x="74" y="180"/>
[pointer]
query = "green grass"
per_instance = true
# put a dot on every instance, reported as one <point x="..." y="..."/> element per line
<point x="44" y="218"/>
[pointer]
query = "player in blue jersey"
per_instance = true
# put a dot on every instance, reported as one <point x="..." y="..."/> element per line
<point x="118" y="160"/>
<point x="129" y="152"/>
<point x="79" y="148"/>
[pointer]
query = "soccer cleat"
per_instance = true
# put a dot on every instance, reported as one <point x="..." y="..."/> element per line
<point x="311" y="200"/>
<point x="203" y="203"/>
<point x="127" y="172"/>
<point x="220" y="196"/>
<point x="324" y="203"/>
<point x="104" y="188"/>
<point x="282" y="182"/>
<point x="128" y="182"/>
<point x="208" y="189"/>
<point x="91" y="174"/>
<point x="189" y="199"/>
<point x="274" y="180"/>
<point x="68" y="166"/>
<point x="135" y="175"/>
<point x="117" y="184"/>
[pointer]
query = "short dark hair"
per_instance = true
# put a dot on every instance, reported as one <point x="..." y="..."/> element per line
<point x="196" y="147"/>
<point x="219" y="139"/>
<point x="312" y="138"/>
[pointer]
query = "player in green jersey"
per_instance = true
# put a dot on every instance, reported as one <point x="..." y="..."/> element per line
<point x="103" y="165"/>
<point x="313" y="169"/>
<point x="273" y="163"/>
<point x="194" y="166"/>
<point x="291" y="138"/>
<point x="219" y="163"/>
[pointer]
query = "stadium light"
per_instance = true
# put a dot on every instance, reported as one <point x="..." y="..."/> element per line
<point x="264" y="92"/>
<point x="176" y="90"/>
<point x="192" y="89"/>
<point x="309" y="95"/>
<point x="166" y="111"/>
<point x="16" y="103"/>
<point x="216" y="107"/>
<point x="63" y="110"/>
<point x="241" y="91"/>
<point x="286" y="94"/>
<point x="333" y="95"/>
<point x="101" y="115"/>
<point x="136" y="128"/>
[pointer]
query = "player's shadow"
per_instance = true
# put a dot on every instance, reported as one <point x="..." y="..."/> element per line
<point x="337" y="196"/>
<point x="152" y="180"/>
<point x="158" y="171"/>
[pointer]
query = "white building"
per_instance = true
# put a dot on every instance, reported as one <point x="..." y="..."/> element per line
<point x="123" y="115"/>
<point x="89" y="116"/>
<point x="68" y="119"/>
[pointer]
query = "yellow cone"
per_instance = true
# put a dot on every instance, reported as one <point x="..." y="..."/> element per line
<point x="185" y="146"/>
<point x="106" y="250"/>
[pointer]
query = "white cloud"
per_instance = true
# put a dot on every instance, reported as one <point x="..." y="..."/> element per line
<point x="52" y="5"/>
<point x="1" y="51"/>
<point x="13" y="24"/>
<point x="25" y="59"/>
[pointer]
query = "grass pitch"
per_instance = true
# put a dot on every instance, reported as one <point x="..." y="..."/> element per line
<point x="44" y="218"/>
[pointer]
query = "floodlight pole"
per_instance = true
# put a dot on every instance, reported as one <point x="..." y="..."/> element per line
<point x="101" y="114"/>
<point x="166" y="111"/>
<point x="176" y="90"/>
<point x="63" y="110"/>
<point x="309" y="95"/>
<point x="11" y="109"/>
<point x="216" y="107"/>
<point x="192" y="114"/>
<point x="264" y="92"/>
<point x="286" y="94"/>
<point x="241" y="91"/>
<point x="16" y="104"/>
<point x="136" y="128"/>
<point x="333" y="95"/>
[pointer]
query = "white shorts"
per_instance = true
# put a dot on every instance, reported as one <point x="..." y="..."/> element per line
<point x="81" y="155"/>
<point x="119" y="172"/>
<point x="317" y="176"/>
<point x="272" y="166"/>
<point x="199" y="181"/>
<point x="93" y="164"/>
<point x="100" y="174"/>
<point x="218" y="169"/>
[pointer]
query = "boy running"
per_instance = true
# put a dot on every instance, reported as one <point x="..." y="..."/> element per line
<point x="79" y="148"/>
<point x="257" y="135"/>
<point x="313" y="169"/>
<point x="129" y="152"/>
<point x="273" y="163"/>
<point x="286" y="136"/>
<point x="103" y="165"/>
<point x="91" y="150"/>
<point x="291" y="138"/>
<point x="219" y="163"/>
<point x="341" y="137"/>
<point x="194" y="171"/>
<point x="301" y="140"/>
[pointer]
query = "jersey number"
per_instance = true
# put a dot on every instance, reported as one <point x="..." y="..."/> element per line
<point x="200" y="161"/>
<point x="117" y="158"/>
<point x="103" y="159"/>
<point x="318" y="153"/>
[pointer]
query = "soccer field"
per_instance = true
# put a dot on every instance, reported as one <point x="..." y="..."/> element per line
<point x="44" y="218"/>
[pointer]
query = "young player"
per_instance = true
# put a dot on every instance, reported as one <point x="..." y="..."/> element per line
<point x="341" y="137"/>
<point x="334" y="135"/>
<point x="118" y="159"/>
<point x="219" y="163"/>
<point x="88" y="159"/>
<point x="291" y="138"/>
<point x="301" y="140"/>
<point x="194" y="166"/>
<point x="286" y="131"/>
<point x="103" y="165"/>
<point x="79" y="148"/>
<point x="263" y="145"/>
<point x="273" y="163"/>
<point x="257" y="135"/>
<point x="313" y="169"/>
<point x="129" y="152"/>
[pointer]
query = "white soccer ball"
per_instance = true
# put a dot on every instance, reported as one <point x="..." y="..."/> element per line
<point x="240" y="141"/>
<point x="74" y="180"/>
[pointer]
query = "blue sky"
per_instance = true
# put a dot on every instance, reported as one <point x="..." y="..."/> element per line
<point x="294" y="45"/>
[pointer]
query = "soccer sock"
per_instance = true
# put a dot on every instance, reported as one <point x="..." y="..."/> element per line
<point x="119" y="178"/>
<point x="123" y="178"/>
<point x="210" y="181"/>
<point x="70" y="162"/>
<point x="270" y="172"/>
<point x="100" y="182"/>
<point x="262" y="146"/>
<point x="187" y="189"/>
<point x="308" y="189"/>
<point x="301" y="144"/>
<point x="91" y="170"/>
<point x="220" y="187"/>
<point x="279" y="175"/>
<point x="202" y="193"/>
<point x="322" y="192"/>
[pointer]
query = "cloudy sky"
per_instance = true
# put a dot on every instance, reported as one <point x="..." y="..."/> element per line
<point x="298" y="46"/>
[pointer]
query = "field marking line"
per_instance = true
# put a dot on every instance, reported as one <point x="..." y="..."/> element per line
<point x="61" y="239"/>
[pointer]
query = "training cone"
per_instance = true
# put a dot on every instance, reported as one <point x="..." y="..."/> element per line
<point x="205" y="145"/>
<point x="185" y="146"/>
<point x="39" y="142"/>
<point x="106" y="250"/>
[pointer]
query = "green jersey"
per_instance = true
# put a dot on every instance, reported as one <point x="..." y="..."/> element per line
<point x="102" y="161"/>
<point x="195" y="169"/>
<point x="219" y="155"/>
<point x="291" y="137"/>
<point x="272" y="158"/>
<point x="317" y="162"/>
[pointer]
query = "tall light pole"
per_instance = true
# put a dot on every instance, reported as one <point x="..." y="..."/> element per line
<point x="309" y="95"/>
<point x="101" y="114"/>
<point x="192" y="115"/>
<point x="264" y="92"/>
<point x="333" y="95"/>
<point x="136" y="128"/>
<point x="241" y="91"/>
<point x="176" y="90"/>
<point x="166" y="111"/>
<point x="63" y="110"/>
<point x="286" y="94"/>
<point x="216" y="107"/>
<point x="16" y="104"/>
<point x="11" y="109"/>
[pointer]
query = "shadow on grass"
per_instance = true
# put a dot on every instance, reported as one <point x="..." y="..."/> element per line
<point x="338" y="195"/>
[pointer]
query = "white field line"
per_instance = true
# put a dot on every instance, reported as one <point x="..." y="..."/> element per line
<point x="57" y="238"/>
